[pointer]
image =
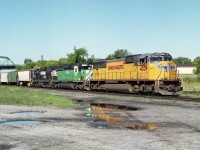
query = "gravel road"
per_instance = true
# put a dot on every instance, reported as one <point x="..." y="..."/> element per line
<point x="177" y="126"/>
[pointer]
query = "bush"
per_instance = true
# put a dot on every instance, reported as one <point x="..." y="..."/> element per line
<point x="198" y="77"/>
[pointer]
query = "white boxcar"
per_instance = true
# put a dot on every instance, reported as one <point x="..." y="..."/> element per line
<point x="4" y="78"/>
<point x="25" y="77"/>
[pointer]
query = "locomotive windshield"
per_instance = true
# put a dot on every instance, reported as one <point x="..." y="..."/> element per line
<point x="160" y="58"/>
<point x="167" y="58"/>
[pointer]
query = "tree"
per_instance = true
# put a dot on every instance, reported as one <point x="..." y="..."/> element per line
<point x="182" y="60"/>
<point x="196" y="60"/>
<point x="91" y="59"/>
<point x="197" y="63"/>
<point x="79" y="56"/>
<point x="110" y="56"/>
<point x="197" y="71"/>
<point x="62" y="61"/>
<point x="119" y="53"/>
<point x="27" y="60"/>
<point x="51" y="63"/>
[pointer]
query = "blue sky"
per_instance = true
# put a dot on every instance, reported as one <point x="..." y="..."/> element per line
<point x="31" y="28"/>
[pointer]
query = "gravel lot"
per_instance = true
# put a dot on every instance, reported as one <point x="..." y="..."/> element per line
<point x="178" y="126"/>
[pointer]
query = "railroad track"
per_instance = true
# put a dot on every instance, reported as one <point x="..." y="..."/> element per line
<point x="178" y="98"/>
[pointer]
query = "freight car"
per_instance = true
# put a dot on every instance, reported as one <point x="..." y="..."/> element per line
<point x="142" y="73"/>
<point x="12" y="77"/>
<point x="4" y="78"/>
<point x="17" y="78"/>
<point x="25" y="77"/>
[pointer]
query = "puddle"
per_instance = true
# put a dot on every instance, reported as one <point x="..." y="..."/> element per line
<point x="105" y="117"/>
<point x="134" y="126"/>
<point x="142" y="126"/>
<point x="28" y="112"/>
<point x="90" y="120"/>
<point x="88" y="115"/>
<point x="21" y="122"/>
<point x="6" y="146"/>
<point x="101" y="107"/>
<point x="101" y="126"/>
<point x="101" y="114"/>
<point x="108" y="117"/>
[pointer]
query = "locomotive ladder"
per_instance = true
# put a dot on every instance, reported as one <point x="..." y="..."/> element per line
<point x="6" y="63"/>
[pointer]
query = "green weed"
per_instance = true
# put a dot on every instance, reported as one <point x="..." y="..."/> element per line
<point x="12" y="95"/>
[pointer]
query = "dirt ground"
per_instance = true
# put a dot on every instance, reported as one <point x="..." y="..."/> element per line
<point x="177" y="125"/>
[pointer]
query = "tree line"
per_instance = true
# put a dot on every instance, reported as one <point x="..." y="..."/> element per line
<point x="80" y="55"/>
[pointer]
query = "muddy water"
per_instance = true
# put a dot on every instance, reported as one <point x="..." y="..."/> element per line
<point x="27" y="112"/>
<point x="103" y="117"/>
<point x="21" y="122"/>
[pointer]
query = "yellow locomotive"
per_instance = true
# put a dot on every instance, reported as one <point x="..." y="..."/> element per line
<point x="142" y="73"/>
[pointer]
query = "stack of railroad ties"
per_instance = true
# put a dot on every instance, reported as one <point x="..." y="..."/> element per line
<point x="153" y="73"/>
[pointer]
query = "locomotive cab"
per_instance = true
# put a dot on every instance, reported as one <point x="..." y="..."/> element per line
<point x="162" y="67"/>
<point x="164" y="72"/>
<point x="82" y="72"/>
<point x="43" y="76"/>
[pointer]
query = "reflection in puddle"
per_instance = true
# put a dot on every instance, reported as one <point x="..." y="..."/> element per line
<point x="108" y="117"/>
<point x="21" y="122"/>
<point x="101" y="127"/>
<point x="100" y="108"/>
<point x="88" y="115"/>
<point x="107" y="114"/>
<point x="142" y="126"/>
<point x="135" y="126"/>
<point x="90" y="120"/>
<point x="27" y="112"/>
<point x="105" y="117"/>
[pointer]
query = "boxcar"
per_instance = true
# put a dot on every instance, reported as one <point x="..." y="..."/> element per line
<point x="25" y="77"/>
<point x="12" y="77"/>
<point x="4" y="78"/>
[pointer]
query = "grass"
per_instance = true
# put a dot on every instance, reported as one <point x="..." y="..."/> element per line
<point x="12" y="95"/>
<point x="192" y="94"/>
<point x="191" y="83"/>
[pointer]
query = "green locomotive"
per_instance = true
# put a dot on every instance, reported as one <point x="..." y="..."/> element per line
<point x="73" y="76"/>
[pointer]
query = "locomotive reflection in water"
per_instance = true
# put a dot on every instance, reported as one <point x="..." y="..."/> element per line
<point x="110" y="118"/>
<point x="153" y="73"/>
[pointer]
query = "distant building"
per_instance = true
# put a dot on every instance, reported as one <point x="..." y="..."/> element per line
<point x="186" y="68"/>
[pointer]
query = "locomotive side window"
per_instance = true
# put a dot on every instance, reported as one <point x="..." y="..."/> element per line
<point x="160" y="58"/>
<point x="75" y="69"/>
<point x="87" y="67"/>
<point x="143" y="60"/>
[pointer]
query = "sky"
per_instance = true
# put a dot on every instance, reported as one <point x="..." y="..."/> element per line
<point x="32" y="28"/>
